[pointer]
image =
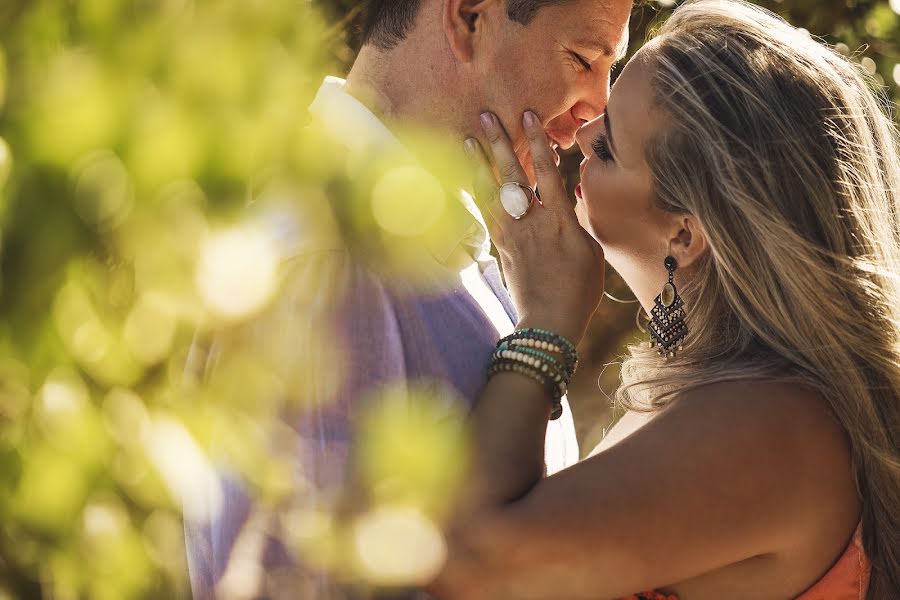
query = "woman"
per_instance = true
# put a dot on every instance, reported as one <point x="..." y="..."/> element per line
<point x="751" y="167"/>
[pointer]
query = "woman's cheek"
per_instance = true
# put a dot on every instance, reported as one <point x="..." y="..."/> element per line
<point x="589" y="219"/>
<point x="591" y="209"/>
<point x="583" y="218"/>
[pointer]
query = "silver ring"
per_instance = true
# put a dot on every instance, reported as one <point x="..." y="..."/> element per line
<point x="516" y="199"/>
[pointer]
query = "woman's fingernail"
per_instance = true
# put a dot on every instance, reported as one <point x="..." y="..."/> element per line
<point x="470" y="146"/>
<point x="487" y="120"/>
<point x="530" y="119"/>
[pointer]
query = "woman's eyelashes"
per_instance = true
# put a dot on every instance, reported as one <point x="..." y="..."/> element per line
<point x="600" y="145"/>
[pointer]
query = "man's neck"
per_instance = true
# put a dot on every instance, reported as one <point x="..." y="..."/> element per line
<point x="402" y="92"/>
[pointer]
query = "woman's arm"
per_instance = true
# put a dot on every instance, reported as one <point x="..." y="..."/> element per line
<point x="555" y="272"/>
<point x="510" y="426"/>
<point x="727" y="473"/>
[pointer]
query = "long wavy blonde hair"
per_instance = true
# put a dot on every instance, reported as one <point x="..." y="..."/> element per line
<point x="783" y="152"/>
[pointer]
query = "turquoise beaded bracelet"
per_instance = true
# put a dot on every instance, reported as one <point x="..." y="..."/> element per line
<point x="550" y="361"/>
<point x="541" y="339"/>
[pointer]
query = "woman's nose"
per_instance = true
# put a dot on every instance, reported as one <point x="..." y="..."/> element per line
<point x="585" y="135"/>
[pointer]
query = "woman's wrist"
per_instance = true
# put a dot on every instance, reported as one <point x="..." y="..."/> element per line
<point x="561" y="327"/>
<point x="540" y="354"/>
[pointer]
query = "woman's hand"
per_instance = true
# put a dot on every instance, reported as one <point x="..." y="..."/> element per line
<point x="553" y="268"/>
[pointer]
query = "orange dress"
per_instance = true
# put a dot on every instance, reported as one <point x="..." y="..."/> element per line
<point x="848" y="579"/>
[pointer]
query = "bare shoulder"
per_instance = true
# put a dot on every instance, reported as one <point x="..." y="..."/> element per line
<point x="789" y="412"/>
<point x="751" y="398"/>
<point x="784" y="429"/>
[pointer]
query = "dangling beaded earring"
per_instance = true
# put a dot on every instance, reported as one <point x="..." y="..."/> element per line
<point x="667" y="326"/>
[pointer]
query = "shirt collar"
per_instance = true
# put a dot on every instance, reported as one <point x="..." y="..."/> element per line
<point x="349" y="122"/>
<point x="462" y="235"/>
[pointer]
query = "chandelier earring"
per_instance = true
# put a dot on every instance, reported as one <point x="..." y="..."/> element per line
<point x="667" y="326"/>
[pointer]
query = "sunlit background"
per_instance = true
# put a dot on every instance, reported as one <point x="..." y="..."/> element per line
<point x="157" y="169"/>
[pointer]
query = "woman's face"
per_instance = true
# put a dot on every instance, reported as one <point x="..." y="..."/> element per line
<point x="615" y="197"/>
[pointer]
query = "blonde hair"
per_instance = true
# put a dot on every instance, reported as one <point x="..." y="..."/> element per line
<point x="786" y="157"/>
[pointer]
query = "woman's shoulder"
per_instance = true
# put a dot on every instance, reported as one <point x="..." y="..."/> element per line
<point x="735" y="406"/>
<point x="773" y="404"/>
<point x="772" y="414"/>
<point x="785" y="429"/>
<point x="776" y="452"/>
<point x="752" y="387"/>
<point x="785" y="418"/>
<point x="780" y="405"/>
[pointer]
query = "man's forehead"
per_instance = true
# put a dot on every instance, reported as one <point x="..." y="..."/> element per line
<point x="603" y="27"/>
<point x="610" y="43"/>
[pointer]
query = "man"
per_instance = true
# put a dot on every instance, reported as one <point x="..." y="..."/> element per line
<point x="440" y="64"/>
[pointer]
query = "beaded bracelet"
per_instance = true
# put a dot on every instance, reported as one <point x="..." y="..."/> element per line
<point x="545" y="370"/>
<point x="506" y="350"/>
<point x="551" y="341"/>
<point x="546" y="340"/>
<point x="556" y="389"/>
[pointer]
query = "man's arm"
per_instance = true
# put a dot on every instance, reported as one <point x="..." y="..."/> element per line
<point x="329" y="336"/>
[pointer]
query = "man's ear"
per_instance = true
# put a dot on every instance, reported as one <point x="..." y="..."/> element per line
<point x="463" y="21"/>
<point x="688" y="243"/>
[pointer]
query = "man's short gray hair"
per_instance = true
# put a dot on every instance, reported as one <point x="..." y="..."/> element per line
<point x="386" y="23"/>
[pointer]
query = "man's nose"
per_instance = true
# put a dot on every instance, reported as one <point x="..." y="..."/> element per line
<point x="593" y="100"/>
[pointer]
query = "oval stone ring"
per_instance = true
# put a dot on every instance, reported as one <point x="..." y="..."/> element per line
<point x="516" y="199"/>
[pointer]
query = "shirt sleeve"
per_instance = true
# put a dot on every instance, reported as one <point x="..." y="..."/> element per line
<point x="329" y="336"/>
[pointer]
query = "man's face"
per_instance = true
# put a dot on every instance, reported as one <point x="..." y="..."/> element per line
<point x="557" y="66"/>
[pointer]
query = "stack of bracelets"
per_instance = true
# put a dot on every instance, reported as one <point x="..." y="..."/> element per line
<point x="526" y="352"/>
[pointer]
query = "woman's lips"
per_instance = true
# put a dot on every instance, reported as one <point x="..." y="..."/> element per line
<point x="578" y="191"/>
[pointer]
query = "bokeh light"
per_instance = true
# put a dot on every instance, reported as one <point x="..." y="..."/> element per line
<point x="185" y="468"/>
<point x="75" y="108"/>
<point x="398" y="545"/>
<point x="413" y="446"/>
<point x="236" y="272"/>
<point x="150" y="328"/>
<point x="103" y="193"/>
<point x="407" y="201"/>
<point x="5" y="162"/>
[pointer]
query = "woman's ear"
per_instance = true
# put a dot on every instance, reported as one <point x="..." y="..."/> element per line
<point x="463" y="21"/>
<point x="689" y="243"/>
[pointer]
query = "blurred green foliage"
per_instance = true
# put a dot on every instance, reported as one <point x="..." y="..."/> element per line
<point x="132" y="135"/>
